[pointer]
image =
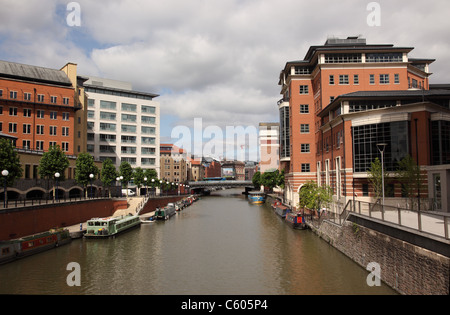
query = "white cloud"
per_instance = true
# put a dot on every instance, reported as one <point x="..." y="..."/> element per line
<point x="214" y="59"/>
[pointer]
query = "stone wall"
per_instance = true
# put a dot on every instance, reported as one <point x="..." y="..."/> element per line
<point x="408" y="269"/>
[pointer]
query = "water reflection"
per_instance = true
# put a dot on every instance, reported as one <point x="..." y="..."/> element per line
<point x="219" y="245"/>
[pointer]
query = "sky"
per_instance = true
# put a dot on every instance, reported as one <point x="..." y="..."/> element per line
<point x="211" y="61"/>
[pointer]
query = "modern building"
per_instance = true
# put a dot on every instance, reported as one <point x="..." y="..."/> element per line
<point x="343" y="99"/>
<point x="123" y="124"/>
<point x="269" y="146"/>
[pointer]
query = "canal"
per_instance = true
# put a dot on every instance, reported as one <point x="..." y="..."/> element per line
<point x="221" y="245"/>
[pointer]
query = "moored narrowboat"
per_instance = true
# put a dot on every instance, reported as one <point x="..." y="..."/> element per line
<point x="165" y="213"/>
<point x="281" y="210"/>
<point x="256" y="197"/>
<point x="109" y="227"/>
<point x="296" y="220"/>
<point x="29" y="245"/>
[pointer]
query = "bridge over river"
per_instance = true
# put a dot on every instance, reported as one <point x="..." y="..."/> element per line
<point x="220" y="184"/>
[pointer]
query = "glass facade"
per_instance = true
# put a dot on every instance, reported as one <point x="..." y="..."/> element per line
<point x="285" y="143"/>
<point x="440" y="139"/>
<point x="366" y="138"/>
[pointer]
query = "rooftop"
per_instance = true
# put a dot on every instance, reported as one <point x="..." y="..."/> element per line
<point x="19" y="71"/>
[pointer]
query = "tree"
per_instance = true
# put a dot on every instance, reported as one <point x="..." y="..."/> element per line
<point x="85" y="166"/>
<point x="280" y="180"/>
<point x="109" y="174"/>
<point x="138" y="177"/>
<point x="408" y="173"/>
<point x="270" y="179"/>
<point x="256" y="180"/>
<point x="10" y="161"/>
<point x="376" y="178"/>
<point x="126" y="171"/>
<point x="52" y="162"/>
<point x="151" y="174"/>
<point x="313" y="196"/>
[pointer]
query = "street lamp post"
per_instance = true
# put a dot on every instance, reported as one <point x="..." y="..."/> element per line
<point x="91" y="176"/>
<point x="57" y="176"/>
<point x="146" y="186"/>
<point x="381" y="147"/>
<point x="5" y="174"/>
<point x="153" y="185"/>
<point x="121" y="182"/>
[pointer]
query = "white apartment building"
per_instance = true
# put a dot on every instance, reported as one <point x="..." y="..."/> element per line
<point x="269" y="146"/>
<point x="123" y="125"/>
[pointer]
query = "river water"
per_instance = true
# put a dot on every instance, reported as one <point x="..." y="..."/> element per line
<point x="221" y="245"/>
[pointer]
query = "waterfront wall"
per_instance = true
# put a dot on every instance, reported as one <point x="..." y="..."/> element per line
<point x="161" y="202"/>
<point x="19" y="222"/>
<point x="408" y="269"/>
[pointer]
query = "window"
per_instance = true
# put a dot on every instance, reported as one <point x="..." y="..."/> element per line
<point x="104" y="138"/>
<point x="53" y="99"/>
<point x="305" y="148"/>
<point x="40" y="114"/>
<point x="65" y="116"/>
<point x="39" y="129"/>
<point x="12" y="128"/>
<point x="148" y="109"/>
<point x="356" y="79"/>
<point x="66" y="100"/>
<point x="331" y="79"/>
<point x="90" y="148"/>
<point x="148" y="120"/>
<point x="53" y="130"/>
<point x="13" y="95"/>
<point x="306" y="168"/>
<point x="304" y="128"/>
<point x="107" y="127"/>
<point x="304" y="89"/>
<point x="384" y="78"/>
<point x="147" y="140"/>
<point x="148" y="161"/>
<point x="343" y="58"/>
<point x="396" y="78"/>
<point x="128" y="139"/>
<point x="304" y="109"/>
<point x="27" y="96"/>
<point x="52" y="144"/>
<point x="129" y="118"/>
<point x="26" y="112"/>
<point x="343" y="79"/>
<point x="1" y="93"/>
<point x="65" y="147"/>
<point x="107" y="116"/>
<point x="13" y="111"/>
<point x="26" y="144"/>
<point x="365" y="190"/>
<point x="372" y="79"/>
<point x="41" y="98"/>
<point x="108" y="105"/>
<point x="91" y="125"/>
<point x="65" y="131"/>
<point x="128" y="150"/>
<point x="148" y="130"/>
<point x="91" y="114"/>
<point x="40" y="145"/>
<point x="26" y="129"/>
<point x="384" y="57"/>
<point x="148" y="151"/>
<point x="53" y="115"/>
<point x="129" y="128"/>
<point x="129" y="107"/>
<point x="91" y="103"/>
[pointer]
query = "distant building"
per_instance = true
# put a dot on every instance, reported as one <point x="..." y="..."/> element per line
<point x="233" y="170"/>
<point x="213" y="168"/>
<point x="123" y="124"/>
<point x="174" y="164"/>
<point x="269" y="146"/>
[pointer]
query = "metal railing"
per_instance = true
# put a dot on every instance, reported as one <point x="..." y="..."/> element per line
<point x="430" y="222"/>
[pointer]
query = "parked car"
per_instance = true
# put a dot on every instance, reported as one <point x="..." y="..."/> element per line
<point x="130" y="192"/>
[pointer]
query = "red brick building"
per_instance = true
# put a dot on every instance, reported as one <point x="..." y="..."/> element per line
<point x="343" y="99"/>
<point x="37" y="106"/>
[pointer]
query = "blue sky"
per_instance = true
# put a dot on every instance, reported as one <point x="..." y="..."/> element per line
<point x="217" y="60"/>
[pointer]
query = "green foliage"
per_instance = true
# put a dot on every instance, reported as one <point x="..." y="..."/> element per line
<point x="138" y="177"/>
<point x="126" y="171"/>
<point x="151" y="174"/>
<point x="313" y="196"/>
<point x="10" y="161"/>
<point x="256" y="180"/>
<point x="408" y="174"/>
<point x="52" y="162"/>
<point x="85" y="166"/>
<point x="109" y="173"/>
<point x="376" y="178"/>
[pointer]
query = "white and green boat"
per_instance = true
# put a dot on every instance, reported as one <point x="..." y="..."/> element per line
<point x="108" y="227"/>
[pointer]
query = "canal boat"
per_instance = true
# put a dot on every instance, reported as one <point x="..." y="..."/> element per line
<point x="165" y="213"/>
<point x="296" y="220"/>
<point x="281" y="210"/>
<point x="109" y="227"/>
<point x="30" y="245"/>
<point x="256" y="197"/>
